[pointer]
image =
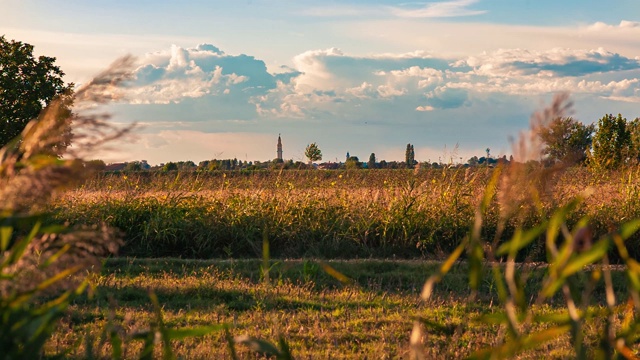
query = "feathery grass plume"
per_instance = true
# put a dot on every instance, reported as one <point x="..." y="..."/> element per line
<point x="518" y="189"/>
<point x="29" y="171"/>
<point x="34" y="259"/>
<point x="525" y="181"/>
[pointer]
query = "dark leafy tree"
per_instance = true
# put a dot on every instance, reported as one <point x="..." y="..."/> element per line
<point x="313" y="153"/>
<point x="611" y="143"/>
<point x="133" y="166"/>
<point x="27" y="85"/>
<point x="634" y="130"/>
<point x="170" y="166"/>
<point x="566" y="140"/>
<point x="353" y="163"/>
<point x="186" y="165"/>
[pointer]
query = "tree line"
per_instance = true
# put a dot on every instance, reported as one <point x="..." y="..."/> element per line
<point x="612" y="143"/>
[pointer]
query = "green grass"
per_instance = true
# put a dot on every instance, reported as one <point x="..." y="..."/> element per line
<point x="332" y="214"/>
<point x="320" y="317"/>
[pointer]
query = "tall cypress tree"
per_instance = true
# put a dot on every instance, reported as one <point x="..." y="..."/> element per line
<point x="371" y="164"/>
<point x="409" y="156"/>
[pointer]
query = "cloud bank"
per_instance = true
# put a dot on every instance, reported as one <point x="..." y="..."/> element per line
<point x="473" y="100"/>
<point x="330" y="82"/>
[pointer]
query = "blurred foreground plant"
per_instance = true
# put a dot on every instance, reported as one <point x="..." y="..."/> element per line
<point x="575" y="260"/>
<point x="43" y="268"/>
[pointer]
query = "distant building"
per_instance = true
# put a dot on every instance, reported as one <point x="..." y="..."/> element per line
<point x="329" y="166"/>
<point x="115" y="167"/>
<point x="279" y="157"/>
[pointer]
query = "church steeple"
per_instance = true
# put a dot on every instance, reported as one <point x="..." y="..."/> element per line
<point x="279" y="148"/>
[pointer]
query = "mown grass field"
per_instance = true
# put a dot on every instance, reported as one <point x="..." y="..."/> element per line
<point x="370" y="317"/>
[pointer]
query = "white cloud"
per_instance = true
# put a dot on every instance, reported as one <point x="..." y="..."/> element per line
<point x="365" y="90"/>
<point x="332" y="84"/>
<point x="442" y="9"/>
<point x="554" y="62"/>
<point x="82" y="55"/>
<point x="312" y="65"/>
<point x="453" y="8"/>
<point x="180" y="73"/>
<point x="468" y="38"/>
<point x="339" y="10"/>
<point x="624" y="24"/>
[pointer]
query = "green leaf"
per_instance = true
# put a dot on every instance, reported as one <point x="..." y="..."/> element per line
<point x="595" y="253"/>
<point x="18" y="248"/>
<point x="553" y="318"/>
<point x="555" y="223"/>
<point x="230" y="343"/>
<point x="511" y="348"/>
<point x="259" y="346"/>
<point x="57" y="277"/>
<point x="444" y="269"/>
<point x="335" y="273"/>
<point x="501" y="287"/>
<point x="179" y="334"/>
<point x="633" y="273"/>
<point x="116" y="345"/>
<point x="266" y="256"/>
<point x="53" y="258"/>
<point x="490" y="190"/>
<point x="5" y="237"/>
<point x="448" y="264"/>
<point x="476" y="257"/>
<point x="521" y="239"/>
<point x="552" y="287"/>
<point x="629" y="228"/>
<point x="495" y="318"/>
<point x="53" y="229"/>
<point x="437" y="327"/>
<point x="285" y="352"/>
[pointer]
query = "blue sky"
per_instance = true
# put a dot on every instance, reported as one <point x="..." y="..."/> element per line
<point x="221" y="79"/>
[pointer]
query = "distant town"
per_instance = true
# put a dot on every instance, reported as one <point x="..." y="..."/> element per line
<point x="314" y="155"/>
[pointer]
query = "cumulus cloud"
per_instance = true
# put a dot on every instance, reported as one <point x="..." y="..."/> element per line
<point x="172" y="76"/>
<point x="444" y="97"/>
<point x="556" y="62"/>
<point x="204" y="83"/>
<point x="331" y="68"/>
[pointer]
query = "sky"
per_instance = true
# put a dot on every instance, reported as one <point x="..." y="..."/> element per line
<point x="222" y="79"/>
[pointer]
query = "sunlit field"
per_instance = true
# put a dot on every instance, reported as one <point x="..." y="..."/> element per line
<point x="333" y="264"/>
<point x="421" y="214"/>
<point x="369" y="316"/>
